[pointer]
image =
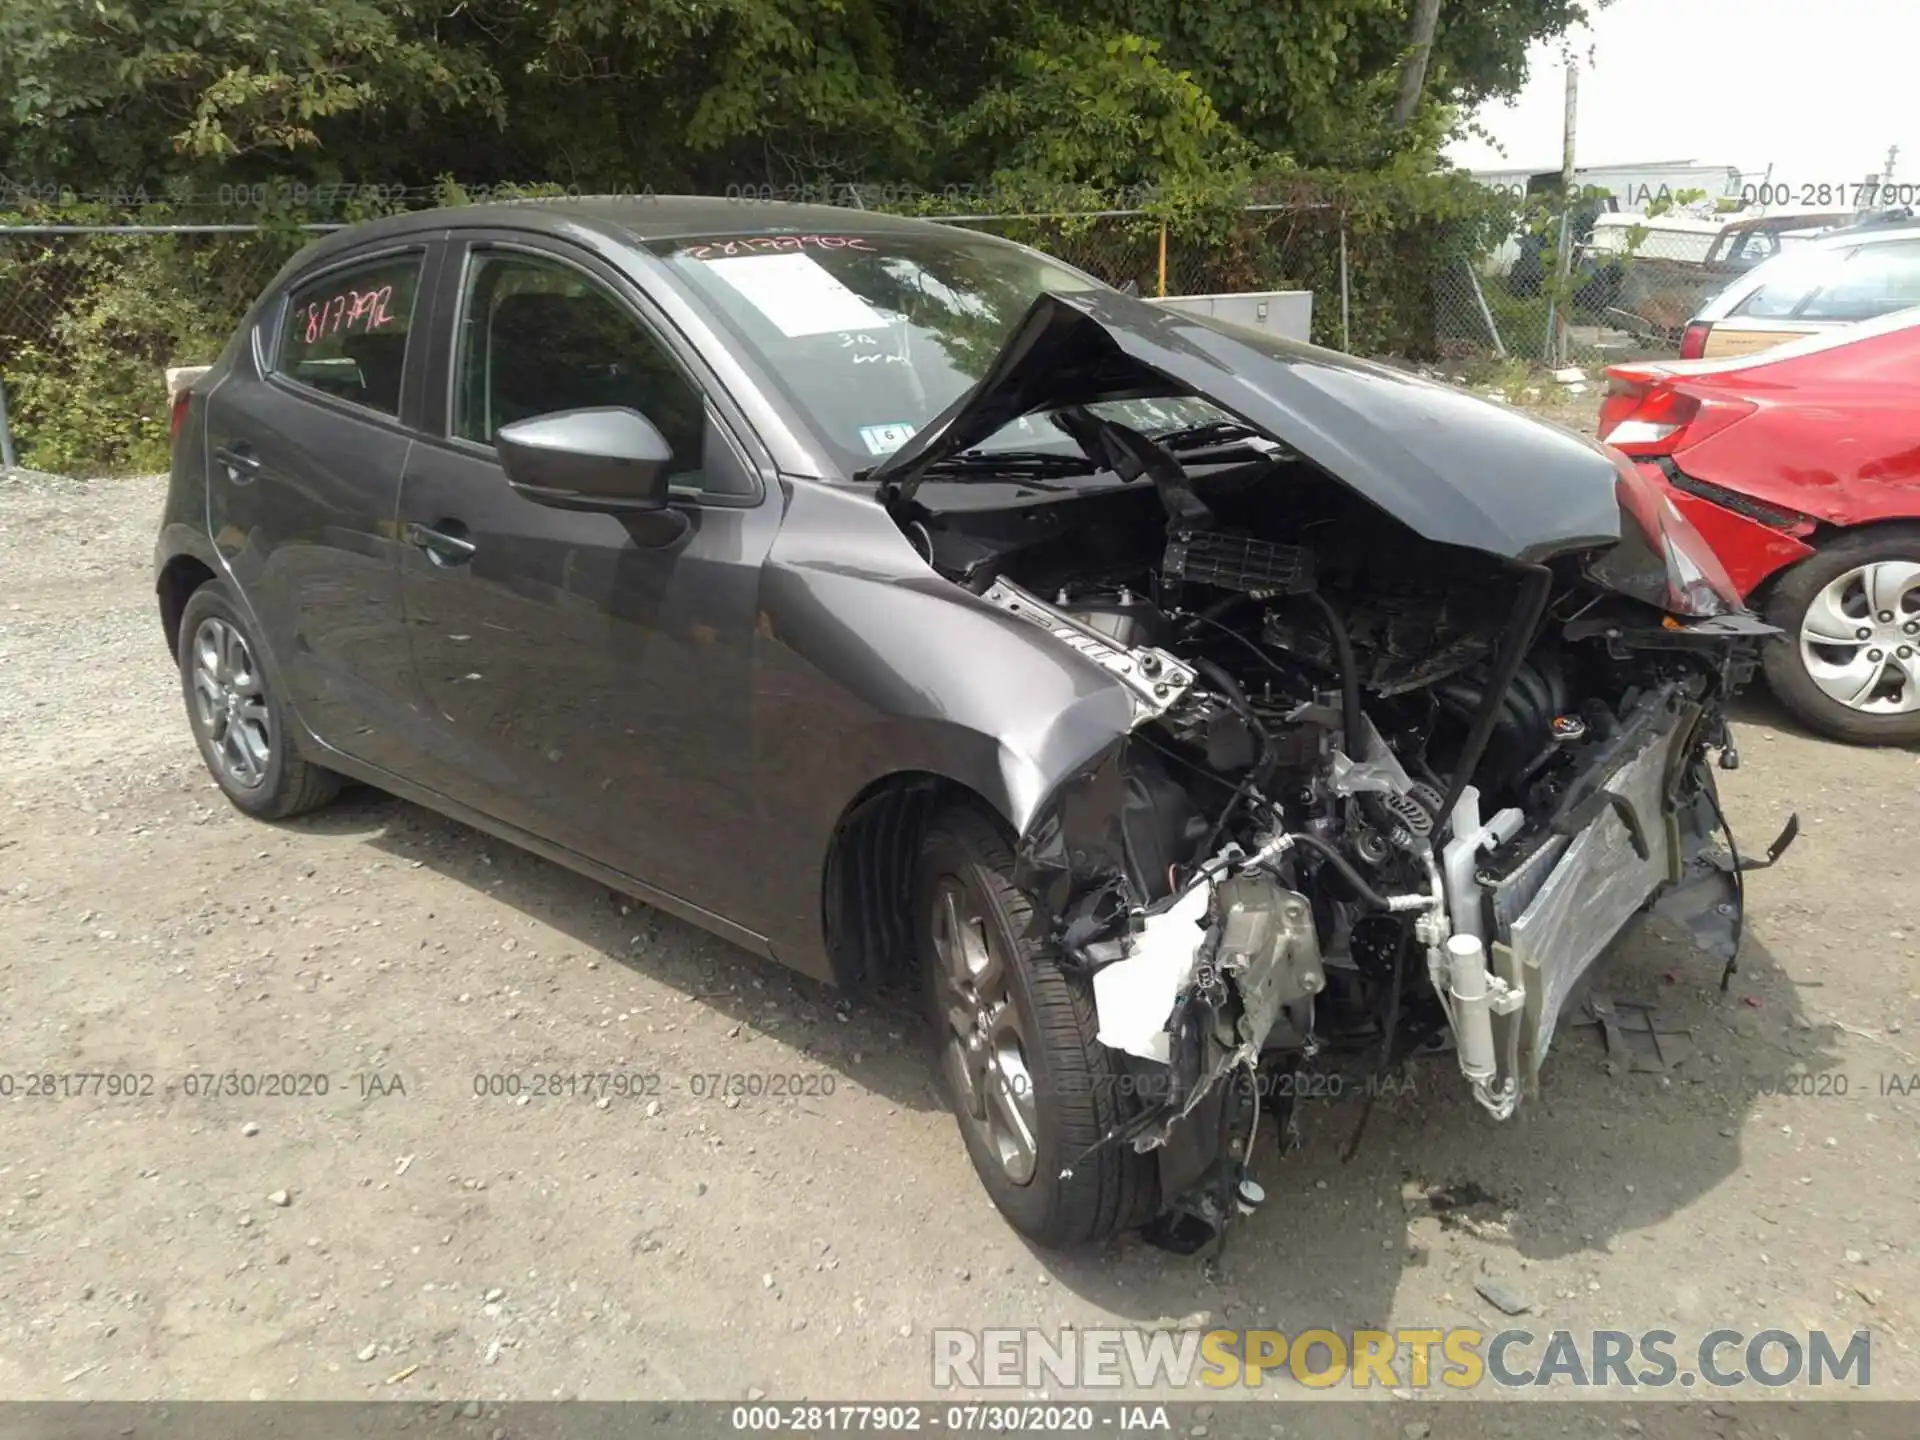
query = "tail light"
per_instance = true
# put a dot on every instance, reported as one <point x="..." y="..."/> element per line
<point x="1645" y="413"/>
<point x="179" y="416"/>
<point x="1693" y="339"/>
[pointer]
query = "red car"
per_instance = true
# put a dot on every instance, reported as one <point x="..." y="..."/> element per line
<point x="1801" y="467"/>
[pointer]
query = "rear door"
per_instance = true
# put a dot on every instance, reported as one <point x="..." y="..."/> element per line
<point x="587" y="683"/>
<point x="307" y="439"/>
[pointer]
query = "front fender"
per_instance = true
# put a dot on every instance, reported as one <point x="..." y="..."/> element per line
<point x="869" y="667"/>
<point x="922" y="676"/>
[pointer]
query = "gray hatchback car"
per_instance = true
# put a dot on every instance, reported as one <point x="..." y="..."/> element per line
<point x="1180" y="711"/>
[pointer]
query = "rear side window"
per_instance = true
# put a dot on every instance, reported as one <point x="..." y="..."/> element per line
<point x="1787" y="286"/>
<point x="346" y="332"/>
<point x="1878" y="280"/>
<point x="1859" y="284"/>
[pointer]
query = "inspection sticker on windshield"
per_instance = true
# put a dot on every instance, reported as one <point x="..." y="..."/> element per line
<point x="797" y="294"/>
<point x="885" y="439"/>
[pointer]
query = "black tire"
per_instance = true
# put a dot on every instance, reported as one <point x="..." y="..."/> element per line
<point x="1787" y="607"/>
<point x="283" y="783"/>
<point x="1077" y="1088"/>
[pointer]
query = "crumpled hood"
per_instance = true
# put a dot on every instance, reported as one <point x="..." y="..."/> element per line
<point x="1455" y="469"/>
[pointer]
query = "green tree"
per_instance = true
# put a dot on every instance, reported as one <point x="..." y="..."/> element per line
<point x="1317" y="81"/>
<point x="703" y="93"/>
<point x="110" y="91"/>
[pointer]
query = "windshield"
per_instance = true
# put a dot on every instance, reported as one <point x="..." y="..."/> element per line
<point x="873" y="335"/>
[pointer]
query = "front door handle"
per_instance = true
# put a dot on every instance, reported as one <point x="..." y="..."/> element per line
<point x="443" y="547"/>
<point x="242" y="464"/>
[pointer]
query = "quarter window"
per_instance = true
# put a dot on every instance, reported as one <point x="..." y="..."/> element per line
<point x="346" y="332"/>
<point x="537" y="337"/>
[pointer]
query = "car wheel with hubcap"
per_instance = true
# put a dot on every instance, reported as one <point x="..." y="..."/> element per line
<point x="1849" y="661"/>
<point x="1033" y="1089"/>
<point x="237" y="721"/>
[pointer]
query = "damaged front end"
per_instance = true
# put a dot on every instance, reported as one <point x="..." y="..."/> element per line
<point x="1299" y="912"/>
<point x="1401" y="769"/>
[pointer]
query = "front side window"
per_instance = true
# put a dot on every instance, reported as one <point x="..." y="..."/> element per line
<point x="346" y="333"/>
<point x="538" y="337"/>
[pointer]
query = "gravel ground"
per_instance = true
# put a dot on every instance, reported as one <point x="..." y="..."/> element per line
<point x="399" y="1236"/>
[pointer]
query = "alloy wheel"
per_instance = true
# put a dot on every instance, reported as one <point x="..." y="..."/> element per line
<point x="230" y="702"/>
<point x="986" y="1047"/>
<point x="1860" y="638"/>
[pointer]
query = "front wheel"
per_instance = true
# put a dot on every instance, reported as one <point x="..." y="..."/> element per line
<point x="1848" y="663"/>
<point x="1032" y="1088"/>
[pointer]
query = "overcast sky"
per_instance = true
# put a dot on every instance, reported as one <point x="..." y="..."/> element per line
<point x="1819" y="88"/>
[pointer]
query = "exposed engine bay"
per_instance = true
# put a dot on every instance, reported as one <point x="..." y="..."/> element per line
<point x="1383" y="796"/>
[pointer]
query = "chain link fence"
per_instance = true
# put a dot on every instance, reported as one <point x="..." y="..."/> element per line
<point x="91" y="314"/>
<point x="1623" y="292"/>
<point x="1261" y="248"/>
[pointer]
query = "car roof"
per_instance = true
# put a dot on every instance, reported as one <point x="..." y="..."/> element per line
<point x="625" y="219"/>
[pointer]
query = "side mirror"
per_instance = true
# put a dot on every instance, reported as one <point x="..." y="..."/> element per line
<point x="609" y="458"/>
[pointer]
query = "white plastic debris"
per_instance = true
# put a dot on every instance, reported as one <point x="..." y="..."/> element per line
<point x="1134" y="997"/>
<point x="1571" y="375"/>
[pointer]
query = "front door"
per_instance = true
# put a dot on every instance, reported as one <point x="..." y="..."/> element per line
<point x="587" y="683"/>
<point x="306" y="446"/>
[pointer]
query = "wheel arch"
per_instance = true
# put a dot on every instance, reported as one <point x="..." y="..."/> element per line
<point x="1824" y="535"/>
<point x="175" y="585"/>
<point x="867" y="880"/>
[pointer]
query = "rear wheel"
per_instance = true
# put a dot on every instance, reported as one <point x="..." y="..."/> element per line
<point x="239" y="724"/>
<point x="1849" y="661"/>
<point x="1032" y="1087"/>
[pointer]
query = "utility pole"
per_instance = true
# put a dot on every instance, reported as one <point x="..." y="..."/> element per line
<point x="1563" y="260"/>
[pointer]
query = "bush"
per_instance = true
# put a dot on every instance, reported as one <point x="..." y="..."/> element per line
<point x="89" y="324"/>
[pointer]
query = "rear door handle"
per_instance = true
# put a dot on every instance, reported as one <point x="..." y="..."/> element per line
<point x="242" y="464"/>
<point x="442" y="547"/>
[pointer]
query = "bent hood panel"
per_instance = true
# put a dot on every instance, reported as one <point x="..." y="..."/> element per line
<point x="1455" y="469"/>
